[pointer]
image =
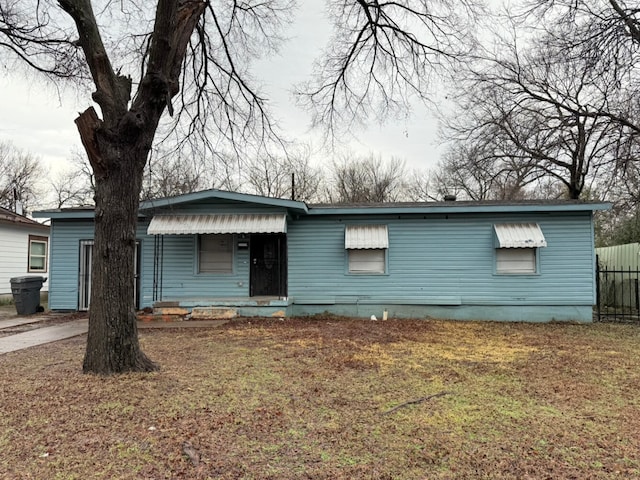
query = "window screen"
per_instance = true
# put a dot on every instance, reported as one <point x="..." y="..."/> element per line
<point x="516" y="260"/>
<point x="367" y="260"/>
<point x="215" y="254"/>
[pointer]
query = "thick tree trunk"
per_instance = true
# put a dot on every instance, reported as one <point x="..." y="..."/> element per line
<point x="117" y="147"/>
<point x="112" y="343"/>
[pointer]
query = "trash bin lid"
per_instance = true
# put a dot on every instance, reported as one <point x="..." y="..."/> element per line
<point x="29" y="278"/>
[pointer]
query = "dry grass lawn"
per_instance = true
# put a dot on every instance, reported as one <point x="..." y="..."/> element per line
<point x="314" y="399"/>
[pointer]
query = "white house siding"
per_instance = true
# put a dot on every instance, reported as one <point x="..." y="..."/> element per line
<point x="14" y="251"/>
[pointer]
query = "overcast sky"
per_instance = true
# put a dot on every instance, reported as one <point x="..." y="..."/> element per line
<point x="35" y="118"/>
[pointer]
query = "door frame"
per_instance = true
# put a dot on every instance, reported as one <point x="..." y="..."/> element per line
<point x="280" y="239"/>
<point x="84" y="275"/>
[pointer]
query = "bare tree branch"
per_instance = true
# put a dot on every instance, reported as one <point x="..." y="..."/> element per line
<point x="383" y="55"/>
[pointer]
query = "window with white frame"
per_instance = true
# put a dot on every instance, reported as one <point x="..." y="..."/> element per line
<point x="215" y="253"/>
<point x="516" y="260"/>
<point x="38" y="254"/>
<point x="367" y="261"/>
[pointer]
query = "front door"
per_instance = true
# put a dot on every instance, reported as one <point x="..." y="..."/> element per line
<point x="268" y="265"/>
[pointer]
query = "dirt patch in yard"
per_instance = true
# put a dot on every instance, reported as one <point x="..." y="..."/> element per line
<point x="332" y="398"/>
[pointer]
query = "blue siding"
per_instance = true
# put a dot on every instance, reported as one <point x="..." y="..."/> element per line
<point x="435" y="260"/>
<point x="64" y="262"/>
<point x="437" y="264"/>
<point x="182" y="281"/>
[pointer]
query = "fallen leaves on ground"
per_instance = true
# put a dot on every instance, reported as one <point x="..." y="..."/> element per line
<point x="316" y="399"/>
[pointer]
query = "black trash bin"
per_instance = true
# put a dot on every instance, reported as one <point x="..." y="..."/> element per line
<point x="26" y="293"/>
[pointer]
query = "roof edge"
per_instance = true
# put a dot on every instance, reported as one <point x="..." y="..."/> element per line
<point x="8" y="217"/>
<point x="224" y="195"/>
<point x="457" y="207"/>
<point x="348" y="209"/>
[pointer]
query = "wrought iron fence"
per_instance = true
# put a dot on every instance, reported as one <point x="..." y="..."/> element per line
<point x="618" y="294"/>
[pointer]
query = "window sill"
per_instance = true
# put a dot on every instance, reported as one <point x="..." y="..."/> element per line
<point x="366" y="274"/>
<point x="516" y="274"/>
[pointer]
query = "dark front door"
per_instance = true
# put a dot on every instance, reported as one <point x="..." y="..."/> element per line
<point x="269" y="265"/>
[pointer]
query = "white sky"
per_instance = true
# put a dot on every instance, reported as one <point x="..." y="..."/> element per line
<point x="35" y="118"/>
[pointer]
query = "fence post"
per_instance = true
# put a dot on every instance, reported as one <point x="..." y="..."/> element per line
<point x="598" y="286"/>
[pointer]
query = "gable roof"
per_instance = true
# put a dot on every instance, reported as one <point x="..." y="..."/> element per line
<point x="7" y="217"/>
<point x="223" y="195"/>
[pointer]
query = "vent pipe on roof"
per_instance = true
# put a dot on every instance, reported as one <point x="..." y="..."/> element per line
<point x="17" y="204"/>
<point x="449" y="198"/>
<point x="293" y="186"/>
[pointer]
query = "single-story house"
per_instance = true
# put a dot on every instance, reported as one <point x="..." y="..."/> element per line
<point x="24" y="249"/>
<point x="253" y="255"/>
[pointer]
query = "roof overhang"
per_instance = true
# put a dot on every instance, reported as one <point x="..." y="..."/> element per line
<point x="25" y="225"/>
<point x="203" y="224"/>
<point x="519" y="235"/>
<point x="366" y="236"/>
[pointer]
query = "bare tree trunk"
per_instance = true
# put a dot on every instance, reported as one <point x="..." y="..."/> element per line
<point x="117" y="147"/>
<point x="112" y="343"/>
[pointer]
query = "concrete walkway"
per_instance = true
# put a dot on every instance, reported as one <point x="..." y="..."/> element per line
<point x="18" y="321"/>
<point x="43" y="335"/>
<point x="74" y="328"/>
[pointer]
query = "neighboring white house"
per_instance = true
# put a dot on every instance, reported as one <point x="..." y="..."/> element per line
<point x="24" y="249"/>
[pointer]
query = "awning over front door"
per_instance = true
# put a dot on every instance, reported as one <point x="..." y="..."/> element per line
<point x="519" y="235"/>
<point x="202" y="224"/>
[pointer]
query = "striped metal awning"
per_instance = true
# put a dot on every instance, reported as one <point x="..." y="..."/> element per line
<point x="519" y="235"/>
<point x="202" y="224"/>
<point x="366" y="236"/>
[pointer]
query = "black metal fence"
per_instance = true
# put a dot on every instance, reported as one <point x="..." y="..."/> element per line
<point x="618" y="294"/>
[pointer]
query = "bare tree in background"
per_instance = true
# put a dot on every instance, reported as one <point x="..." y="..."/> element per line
<point x="74" y="186"/>
<point x="382" y="56"/>
<point x="164" y="176"/>
<point x="524" y="115"/>
<point x="191" y="58"/>
<point x="69" y="190"/>
<point x="470" y="172"/>
<point x="605" y="36"/>
<point x="285" y="176"/>
<point x="168" y="175"/>
<point x="20" y="176"/>
<point x="366" y="180"/>
<point x="421" y="187"/>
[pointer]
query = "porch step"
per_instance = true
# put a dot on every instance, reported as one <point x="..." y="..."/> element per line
<point x="201" y="313"/>
<point x="164" y="314"/>
<point x="178" y="314"/>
